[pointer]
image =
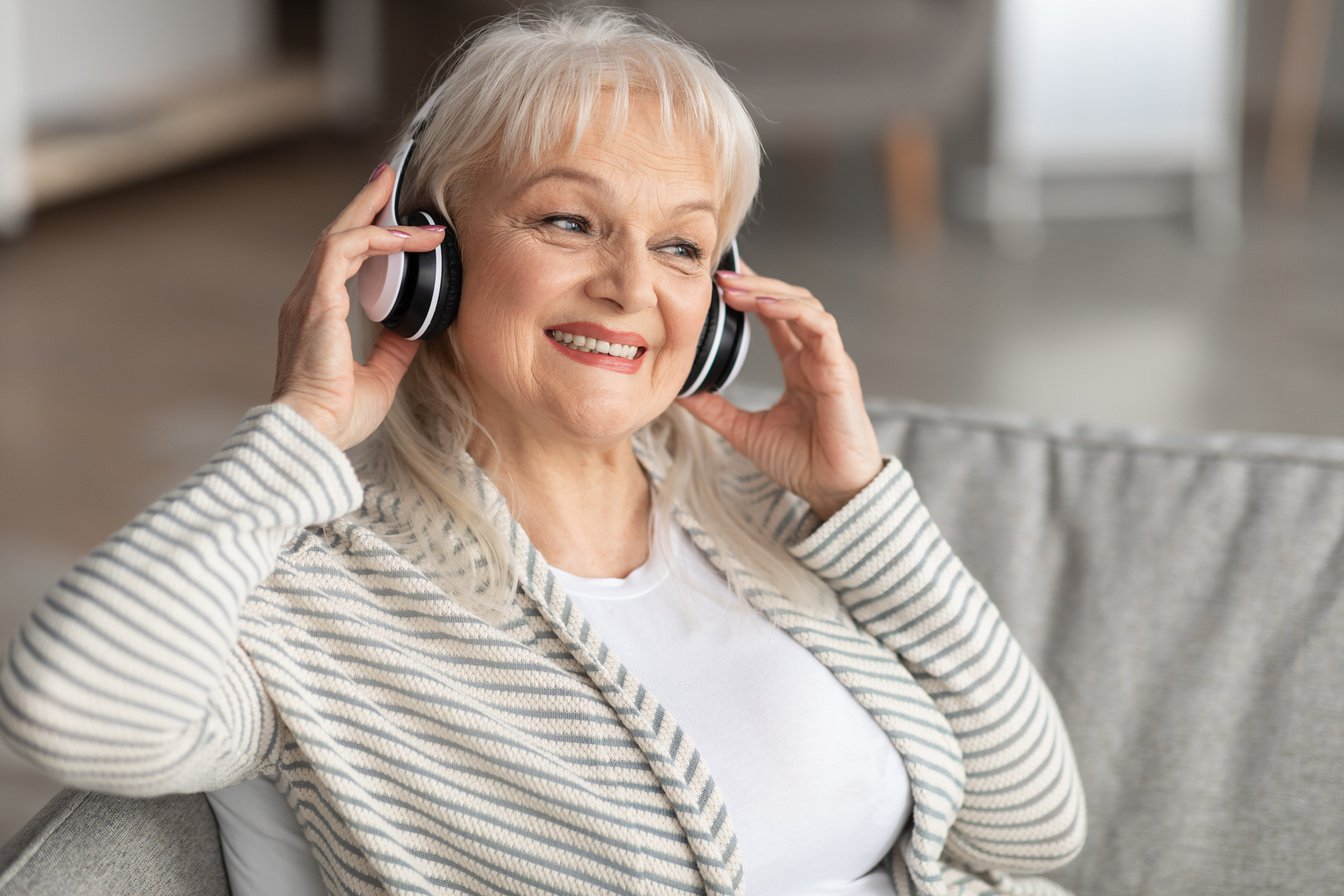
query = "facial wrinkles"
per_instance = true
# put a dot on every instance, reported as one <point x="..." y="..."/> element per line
<point x="622" y="197"/>
<point x="668" y="181"/>
<point x="635" y="191"/>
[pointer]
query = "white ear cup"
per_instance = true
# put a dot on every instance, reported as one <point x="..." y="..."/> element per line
<point x="380" y="277"/>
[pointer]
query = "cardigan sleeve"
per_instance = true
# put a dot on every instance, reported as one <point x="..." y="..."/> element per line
<point x="128" y="676"/>
<point x="1023" y="810"/>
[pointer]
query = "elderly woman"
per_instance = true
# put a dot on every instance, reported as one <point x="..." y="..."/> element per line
<point x="558" y="631"/>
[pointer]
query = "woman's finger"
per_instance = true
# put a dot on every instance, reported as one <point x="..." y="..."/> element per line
<point x="390" y="358"/>
<point x="790" y="321"/>
<point x="740" y="284"/>
<point x="366" y="203"/>
<point x="720" y="415"/>
<point x="813" y="325"/>
<point x="782" y="338"/>
<point x="820" y="359"/>
<point x="340" y="254"/>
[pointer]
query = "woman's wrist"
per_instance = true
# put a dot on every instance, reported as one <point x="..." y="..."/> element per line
<point x="828" y="505"/>
<point x="318" y="419"/>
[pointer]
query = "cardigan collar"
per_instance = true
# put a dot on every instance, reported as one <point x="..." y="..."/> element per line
<point x="683" y="775"/>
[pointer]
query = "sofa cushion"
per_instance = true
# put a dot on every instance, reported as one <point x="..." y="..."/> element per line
<point x="93" y="844"/>
<point x="1184" y="598"/>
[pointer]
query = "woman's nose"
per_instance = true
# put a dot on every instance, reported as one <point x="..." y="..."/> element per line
<point x="626" y="279"/>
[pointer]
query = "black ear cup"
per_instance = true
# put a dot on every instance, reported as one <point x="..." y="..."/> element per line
<point x="723" y="342"/>
<point x="431" y="285"/>
<point x="724" y="364"/>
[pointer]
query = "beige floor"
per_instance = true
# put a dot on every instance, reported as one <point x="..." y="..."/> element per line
<point x="136" y="328"/>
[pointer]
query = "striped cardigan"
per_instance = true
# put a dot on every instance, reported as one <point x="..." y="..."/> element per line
<point x="254" y="622"/>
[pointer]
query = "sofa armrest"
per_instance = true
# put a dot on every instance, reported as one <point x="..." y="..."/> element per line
<point x="83" y="843"/>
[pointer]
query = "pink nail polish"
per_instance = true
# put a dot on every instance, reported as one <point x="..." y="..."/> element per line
<point x="433" y="228"/>
<point x="766" y="300"/>
<point x="377" y="171"/>
<point x="728" y="274"/>
<point x="731" y="291"/>
<point x="401" y="233"/>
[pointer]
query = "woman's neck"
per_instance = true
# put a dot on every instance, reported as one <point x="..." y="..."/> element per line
<point x="587" y="511"/>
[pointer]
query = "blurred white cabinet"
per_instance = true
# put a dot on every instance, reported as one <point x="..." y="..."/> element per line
<point x="93" y="94"/>
<point x="13" y="123"/>
<point x="1142" y="94"/>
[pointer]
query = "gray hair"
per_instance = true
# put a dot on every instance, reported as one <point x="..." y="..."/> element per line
<point x="516" y="90"/>
<point x="528" y="83"/>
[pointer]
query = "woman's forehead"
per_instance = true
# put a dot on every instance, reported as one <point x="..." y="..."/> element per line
<point x="642" y="146"/>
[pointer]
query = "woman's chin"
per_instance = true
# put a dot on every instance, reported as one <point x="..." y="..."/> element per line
<point x="608" y="416"/>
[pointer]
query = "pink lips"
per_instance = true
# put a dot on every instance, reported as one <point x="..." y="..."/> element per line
<point x="596" y="331"/>
<point x="593" y="359"/>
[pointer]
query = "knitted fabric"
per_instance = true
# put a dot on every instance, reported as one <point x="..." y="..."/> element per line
<point x="253" y="621"/>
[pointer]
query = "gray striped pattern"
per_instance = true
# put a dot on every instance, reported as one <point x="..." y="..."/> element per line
<point x="425" y="750"/>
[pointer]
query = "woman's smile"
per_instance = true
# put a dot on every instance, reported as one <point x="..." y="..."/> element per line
<point x="592" y="344"/>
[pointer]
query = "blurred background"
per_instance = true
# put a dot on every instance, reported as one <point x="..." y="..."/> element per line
<point x="1123" y="211"/>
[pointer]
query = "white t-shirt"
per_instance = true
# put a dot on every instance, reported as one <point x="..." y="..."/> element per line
<point x="816" y="791"/>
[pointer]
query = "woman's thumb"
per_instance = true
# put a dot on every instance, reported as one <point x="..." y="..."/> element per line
<point x="719" y="414"/>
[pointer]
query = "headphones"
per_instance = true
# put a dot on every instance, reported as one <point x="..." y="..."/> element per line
<point x="417" y="294"/>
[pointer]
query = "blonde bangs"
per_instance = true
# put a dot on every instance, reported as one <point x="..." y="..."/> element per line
<point x="531" y="84"/>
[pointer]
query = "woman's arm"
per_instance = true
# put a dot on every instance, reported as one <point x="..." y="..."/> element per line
<point x="879" y="550"/>
<point x="1023" y="809"/>
<point x="128" y="677"/>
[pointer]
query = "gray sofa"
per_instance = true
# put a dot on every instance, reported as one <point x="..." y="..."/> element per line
<point x="1183" y="596"/>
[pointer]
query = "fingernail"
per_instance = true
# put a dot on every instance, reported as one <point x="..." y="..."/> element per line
<point x="401" y="233"/>
<point x="433" y="228"/>
<point x="766" y="300"/>
<point x="727" y="273"/>
<point x="728" y="290"/>
<point x="377" y="171"/>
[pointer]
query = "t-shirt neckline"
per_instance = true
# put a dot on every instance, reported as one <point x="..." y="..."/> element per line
<point x="646" y="578"/>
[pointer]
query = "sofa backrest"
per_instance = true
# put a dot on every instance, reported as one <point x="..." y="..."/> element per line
<point x="1184" y="598"/>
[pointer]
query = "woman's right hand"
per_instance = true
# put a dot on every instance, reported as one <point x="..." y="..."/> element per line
<point x="316" y="373"/>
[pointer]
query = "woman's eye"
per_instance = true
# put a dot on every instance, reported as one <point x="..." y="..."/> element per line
<point x="568" y="223"/>
<point x="688" y="251"/>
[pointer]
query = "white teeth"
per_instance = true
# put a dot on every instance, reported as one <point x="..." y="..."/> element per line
<point x="597" y="346"/>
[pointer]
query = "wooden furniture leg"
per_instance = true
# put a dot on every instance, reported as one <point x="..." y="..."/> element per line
<point x="911" y="163"/>
<point x="1292" y="128"/>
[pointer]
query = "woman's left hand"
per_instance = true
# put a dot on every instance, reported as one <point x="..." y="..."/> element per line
<point x="817" y="440"/>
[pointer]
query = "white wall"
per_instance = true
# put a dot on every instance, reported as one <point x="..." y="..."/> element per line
<point x="91" y="58"/>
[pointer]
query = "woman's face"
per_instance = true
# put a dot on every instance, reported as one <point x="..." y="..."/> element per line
<point x="608" y="247"/>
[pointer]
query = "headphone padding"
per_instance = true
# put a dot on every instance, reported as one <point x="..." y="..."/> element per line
<point x="431" y="285"/>
<point x="450" y="257"/>
<point x="704" y="344"/>
<point x="731" y="346"/>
